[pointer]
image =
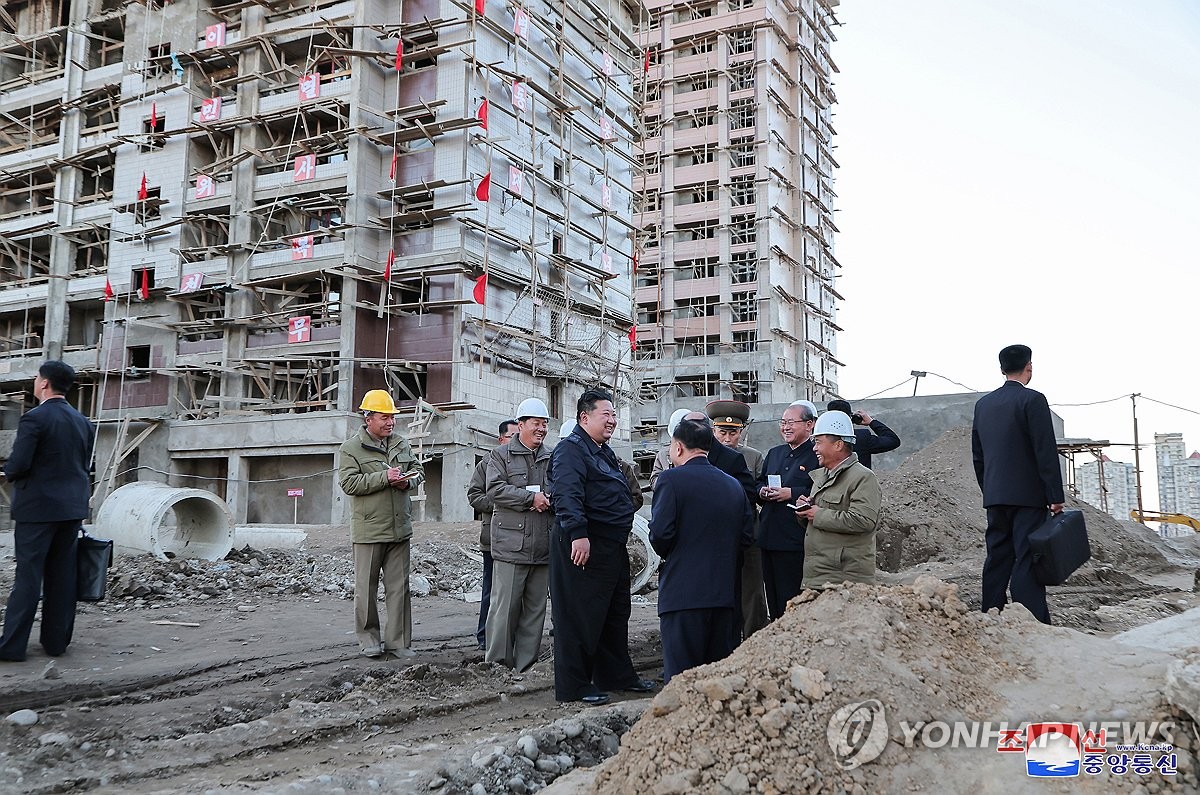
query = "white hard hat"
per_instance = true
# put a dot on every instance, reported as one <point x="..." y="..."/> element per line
<point x="808" y="406"/>
<point x="835" y="423"/>
<point x="676" y="416"/>
<point x="567" y="428"/>
<point x="532" y="407"/>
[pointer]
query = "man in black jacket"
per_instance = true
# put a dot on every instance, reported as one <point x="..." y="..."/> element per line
<point x="702" y="519"/>
<point x="589" y="562"/>
<point x="49" y="468"/>
<point x="1016" y="464"/>
<point x="870" y="440"/>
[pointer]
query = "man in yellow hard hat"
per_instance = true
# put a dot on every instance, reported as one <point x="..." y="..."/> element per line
<point x="379" y="472"/>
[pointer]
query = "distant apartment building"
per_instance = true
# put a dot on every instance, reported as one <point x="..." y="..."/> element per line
<point x="1118" y="493"/>
<point x="1178" y="480"/>
<point x="735" y="285"/>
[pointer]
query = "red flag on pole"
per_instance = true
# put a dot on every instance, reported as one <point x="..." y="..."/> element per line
<point x="646" y="62"/>
<point x="399" y="55"/>
<point x="143" y="191"/>
<point x="392" y="173"/>
<point x="145" y="291"/>
<point x="480" y="291"/>
<point x="633" y="338"/>
<point x="635" y="263"/>
<point x="153" y="116"/>
<point x="387" y="269"/>
<point x="481" y="114"/>
<point x="108" y="290"/>
<point x="484" y="191"/>
<point x="479" y="7"/>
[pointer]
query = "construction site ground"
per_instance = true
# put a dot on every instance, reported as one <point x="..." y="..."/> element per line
<point x="244" y="675"/>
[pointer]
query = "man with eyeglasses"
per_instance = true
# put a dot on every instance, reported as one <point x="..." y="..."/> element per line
<point x="784" y="479"/>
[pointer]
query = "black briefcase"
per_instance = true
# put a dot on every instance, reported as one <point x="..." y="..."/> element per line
<point x="1059" y="547"/>
<point x="93" y="556"/>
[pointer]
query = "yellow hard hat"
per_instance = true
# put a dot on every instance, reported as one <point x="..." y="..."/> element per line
<point x="378" y="400"/>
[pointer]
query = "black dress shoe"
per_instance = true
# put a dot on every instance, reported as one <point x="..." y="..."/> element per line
<point x="595" y="699"/>
<point x="641" y="686"/>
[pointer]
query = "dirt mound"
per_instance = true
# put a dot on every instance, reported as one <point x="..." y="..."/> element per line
<point x="933" y="511"/>
<point x="778" y="715"/>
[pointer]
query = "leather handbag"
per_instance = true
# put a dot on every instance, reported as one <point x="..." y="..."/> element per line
<point x="93" y="556"/>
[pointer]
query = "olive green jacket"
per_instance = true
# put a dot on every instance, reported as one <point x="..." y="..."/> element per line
<point x="839" y="545"/>
<point x="379" y="512"/>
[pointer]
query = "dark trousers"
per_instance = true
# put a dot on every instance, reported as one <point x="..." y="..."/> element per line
<point x="695" y="637"/>
<point x="752" y="613"/>
<point x="783" y="571"/>
<point x="1009" y="562"/>
<point x="590" y="606"/>
<point x="45" y="553"/>
<point x="485" y="599"/>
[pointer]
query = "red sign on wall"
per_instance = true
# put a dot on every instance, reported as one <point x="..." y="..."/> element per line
<point x="295" y="492"/>
<point x="299" y="329"/>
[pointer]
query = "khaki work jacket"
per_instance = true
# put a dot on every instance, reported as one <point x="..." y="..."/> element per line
<point x="839" y="545"/>
<point x="380" y="513"/>
<point x="519" y="533"/>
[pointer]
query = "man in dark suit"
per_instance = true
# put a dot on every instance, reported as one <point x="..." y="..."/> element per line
<point x="1016" y="464"/>
<point x="871" y="437"/>
<point x="589" y="562"/>
<point x="49" y="468"/>
<point x="702" y="518"/>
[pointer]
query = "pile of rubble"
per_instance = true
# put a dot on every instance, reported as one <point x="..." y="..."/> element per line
<point x="139" y="581"/>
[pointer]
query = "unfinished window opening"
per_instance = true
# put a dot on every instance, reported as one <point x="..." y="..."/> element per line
<point x="648" y="314"/>
<point x="310" y="54"/>
<point x="152" y="130"/>
<point x="650" y="236"/>
<point x="742" y="229"/>
<point x="204" y="234"/>
<point x="97" y="179"/>
<point x="741" y="76"/>
<point x="701" y="268"/>
<point x="324" y="134"/>
<point x="200" y="312"/>
<point x="106" y="41"/>
<point x="652" y="94"/>
<point x="24" y="259"/>
<point x="85" y="324"/>
<point x="138" y="356"/>
<point x="199" y="394"/>
<point x="744" y="307"/>
<point x="651" y="163"/>
<point x="653" y="125"/>
<point x="91" y="250"/>
<point x="738" y="5"/>
<point x="696" y="230"/>
<point x="742" y="191"/>
<point x="703" y="345"/>
<point x="745" y="386"/>
<point x="742" y="156"/>
<point x="745" y="341"/>
<point x="150" y="208"/>
<point x="143" y="278"/>
<point x="556" y="243"/>
<point x="742" y="113"/>
<point x="694" y="11"/>
<point x="158" y="60"/>
<point x="697" y="194"/>
<point x="706" y="385"/>
<point x="696" y="155"/>
<point x="31" y="17"/>
<point x="698" y="82"/>
<point x="319" y="213"/>
<point x="293" y="386"/>
<point x="282" y="9"/>
<point x="30" y="127"/>
<point x="648" y="275"/>
<point x="696" y="118"/>
<point x="741" y="41"/>
<point x="743" y="267"/>
<point x="699" y="306"/>
<point x="699" y="46"/>
<point x="315" y="297"/>
<point x="211" y="154"/>
<point x="651" y="202"/>
<point x="22" y="331"/>
<point x="34" y="58"/>
<point x="29" y="194"/>
<point x="99" y="109"/>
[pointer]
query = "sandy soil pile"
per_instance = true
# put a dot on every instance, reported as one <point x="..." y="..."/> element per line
<point x="763" y="720"/>
<point x="933" y="511"/>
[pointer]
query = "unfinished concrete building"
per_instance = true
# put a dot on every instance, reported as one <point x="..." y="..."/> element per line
<point x="234" y="217"/>
<point x="735" y="283"/>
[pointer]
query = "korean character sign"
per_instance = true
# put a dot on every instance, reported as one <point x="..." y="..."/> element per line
<point x="310" y="86"/>
<point x="304" y="168"/>
<point x="302" y="247"/>
<point x="191" y="283"/>
<point x="521" y="24"/>
<point x="210" y="109"/>
<point x="1143" y="764"/>
<point x="520" y="95"/>
<point x="214" y="35"/>
<point x="1167" y="764"/>
<point x="516" y="181"/>
<point x="606" y="196"/>
<point x="607" y="132"/>
<point x="206" y="187"/>
<point x="299" y="330"/>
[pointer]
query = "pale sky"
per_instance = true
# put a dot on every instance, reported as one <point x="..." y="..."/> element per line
<point x="1024" y="171"/>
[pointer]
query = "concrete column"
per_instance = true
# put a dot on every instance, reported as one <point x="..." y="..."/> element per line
<point x="237" y="490"/>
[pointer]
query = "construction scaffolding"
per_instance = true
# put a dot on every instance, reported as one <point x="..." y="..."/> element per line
<point x="226" y="215"/>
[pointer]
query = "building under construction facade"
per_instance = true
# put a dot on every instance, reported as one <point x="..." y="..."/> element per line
<point x="735" y="287"/>
<point x="235" y="218"/>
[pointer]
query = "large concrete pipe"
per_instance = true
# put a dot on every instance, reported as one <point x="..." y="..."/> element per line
<point x="643" y="560"/>
<point x="167" y="522"/>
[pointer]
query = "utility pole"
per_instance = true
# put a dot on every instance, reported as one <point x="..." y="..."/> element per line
<point x="917" y="375"/>
<point x="1137" y="458"/>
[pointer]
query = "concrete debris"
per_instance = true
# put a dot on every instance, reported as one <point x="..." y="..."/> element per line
<point x="51" y="671"/>
<point x="23" y="717"/>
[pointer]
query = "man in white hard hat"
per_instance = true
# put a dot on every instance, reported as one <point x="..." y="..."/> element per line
<point x="379" y="471"/>
<point x="521" y="522"/>
<point x="481" y="503"/>
<point x="842" y="510"/>
<point x="785" y="477"/>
